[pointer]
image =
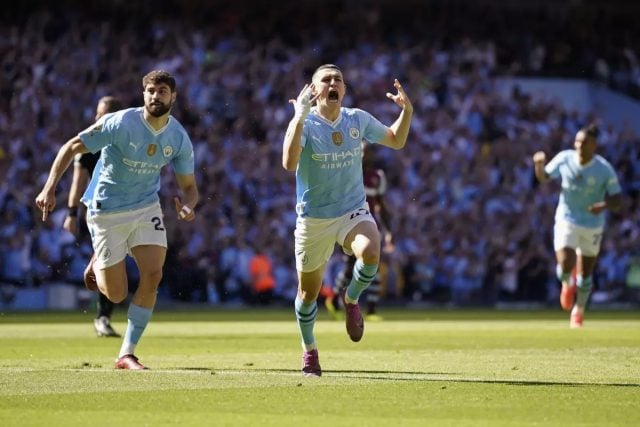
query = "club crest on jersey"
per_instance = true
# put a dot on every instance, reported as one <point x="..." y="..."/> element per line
<point x="151" y="149"/>
<point x="167" y="151"/>
<point x="336" y="137"/>
<point x="354" y="133"/>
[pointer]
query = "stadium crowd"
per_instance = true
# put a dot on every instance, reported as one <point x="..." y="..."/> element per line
<point x="470" y="224"/>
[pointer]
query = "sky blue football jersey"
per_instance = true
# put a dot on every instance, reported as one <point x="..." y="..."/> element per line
<point x="127" y="175"/>
<point x="329" y="175"/>
<point x="582" y="186"/>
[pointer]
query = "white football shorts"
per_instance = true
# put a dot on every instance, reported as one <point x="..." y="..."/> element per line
<point x="114" y="234"/>
<point x="315" y="238"/>
<point x="585" y="241"/>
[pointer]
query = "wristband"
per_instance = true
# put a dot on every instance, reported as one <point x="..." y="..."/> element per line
<point x="186" y="210"/>
<point x="72" y="211"/>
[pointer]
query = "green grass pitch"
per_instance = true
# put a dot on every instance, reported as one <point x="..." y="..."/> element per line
<point x="242" y="368"/>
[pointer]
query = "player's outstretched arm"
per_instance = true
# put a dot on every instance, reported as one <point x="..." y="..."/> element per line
<point x="612" y="203"/>
<point x="186" y="207"/>
<point x="46" y="200"/>
<point x="396" y="138"/>
<point x="291" y="148"/>
<point x="539" y="159"/>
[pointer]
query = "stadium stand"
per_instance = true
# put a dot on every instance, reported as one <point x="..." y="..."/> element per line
<point x="470" y="225"/>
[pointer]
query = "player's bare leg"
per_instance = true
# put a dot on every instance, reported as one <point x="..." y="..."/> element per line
<point x="102" y="322"/>
<point x="112" y="281"/>
<point x="150" y="259"/>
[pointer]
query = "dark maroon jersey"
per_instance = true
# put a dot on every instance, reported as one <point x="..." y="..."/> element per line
<point x="375" y="185"/>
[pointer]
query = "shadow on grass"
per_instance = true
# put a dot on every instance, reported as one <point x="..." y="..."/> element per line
<point x="450" y="377"/>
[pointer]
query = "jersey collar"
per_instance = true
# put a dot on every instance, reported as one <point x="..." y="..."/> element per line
<point x="151" y="129"/>
<point x="333" y="124"/>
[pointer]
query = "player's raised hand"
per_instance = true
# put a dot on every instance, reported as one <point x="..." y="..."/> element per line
<point x="302" y="104"/>
<point x="185" y="213"/>
<point x="539" y="157"/>
<point x="46" y="202"/>
<point x="401" y="97"/>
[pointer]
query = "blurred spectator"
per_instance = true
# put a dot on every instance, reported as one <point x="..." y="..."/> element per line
<point x="262" y="280"/>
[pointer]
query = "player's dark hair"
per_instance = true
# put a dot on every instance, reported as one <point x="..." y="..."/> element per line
<point x="113" y="104"/>
<point x="158" y="77"/>
<point x="591" y="130"/>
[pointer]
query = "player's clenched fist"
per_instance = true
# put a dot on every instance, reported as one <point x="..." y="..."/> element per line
<point x="539" y="157"/>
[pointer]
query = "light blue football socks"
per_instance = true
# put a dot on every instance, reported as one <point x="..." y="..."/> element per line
<point x="306" y="316"/>
<point x="584" y="289"/>
<point x="138" y="318"/>
<point x="363" y="275"/>
<point x="561" y="275"/>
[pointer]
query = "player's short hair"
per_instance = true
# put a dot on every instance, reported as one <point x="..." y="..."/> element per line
<point x="591" y="130"/>
<point x="326" y="67"/>
<point x="113" y="104"/>
<point x="158" y="77"/>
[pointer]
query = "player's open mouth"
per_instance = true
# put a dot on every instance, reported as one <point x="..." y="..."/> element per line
<point x="333" y="95"/>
